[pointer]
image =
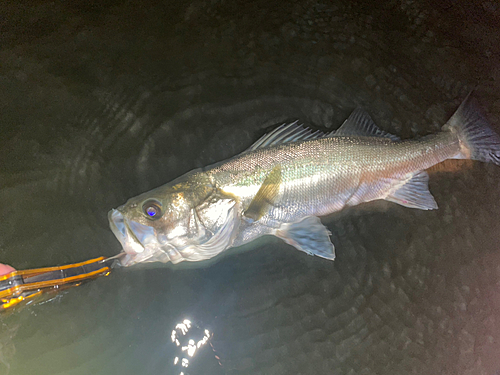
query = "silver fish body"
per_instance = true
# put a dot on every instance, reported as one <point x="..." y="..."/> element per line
<point x="323" y="176"/>
<point x="286" y="180"/>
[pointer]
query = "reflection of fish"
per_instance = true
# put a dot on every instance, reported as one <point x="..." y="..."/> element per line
<point x="286" y="180"/>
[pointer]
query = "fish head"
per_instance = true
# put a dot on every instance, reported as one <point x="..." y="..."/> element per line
<point x="184" y="220"/>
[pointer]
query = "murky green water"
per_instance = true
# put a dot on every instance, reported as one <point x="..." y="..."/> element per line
<point x="99" y="102"/>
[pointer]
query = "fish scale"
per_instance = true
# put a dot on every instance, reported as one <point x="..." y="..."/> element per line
<point x="321" y="173"/>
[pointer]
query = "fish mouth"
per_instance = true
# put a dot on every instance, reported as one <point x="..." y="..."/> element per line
<point x="138" y="241"/>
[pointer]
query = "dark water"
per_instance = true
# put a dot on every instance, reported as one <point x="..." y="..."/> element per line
<point x="100" y="101"/>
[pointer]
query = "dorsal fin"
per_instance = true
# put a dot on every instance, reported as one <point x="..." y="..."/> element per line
<point x="360" y="124"/>
<point x="286" y="133"/>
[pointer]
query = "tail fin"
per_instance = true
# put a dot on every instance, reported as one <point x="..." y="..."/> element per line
<point x="478" y="141"/>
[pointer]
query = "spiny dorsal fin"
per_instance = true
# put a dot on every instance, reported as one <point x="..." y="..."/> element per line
<point x="360" y="124"/>
<point x="286" y="133"/>
<point x="265" y="196"/>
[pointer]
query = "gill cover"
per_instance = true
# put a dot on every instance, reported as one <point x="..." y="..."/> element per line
<point x="216" y="222"/>
<point x="199" y="227"/>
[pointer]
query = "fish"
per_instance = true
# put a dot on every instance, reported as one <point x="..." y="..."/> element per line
<point x="289" y="178"/>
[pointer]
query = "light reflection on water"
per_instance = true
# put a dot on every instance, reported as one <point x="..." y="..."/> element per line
<point x="190" y="340"/>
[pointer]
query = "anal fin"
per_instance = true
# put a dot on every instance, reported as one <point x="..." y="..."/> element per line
<point x="309" y="236"/>
<point x="414" y="193"/>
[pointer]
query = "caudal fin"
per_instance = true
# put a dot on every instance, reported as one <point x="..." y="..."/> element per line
<point x="478" y="141"/>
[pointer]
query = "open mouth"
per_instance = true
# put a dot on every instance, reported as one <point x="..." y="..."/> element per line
<point x="133" y="237"/>
<point x="139" y="242"/>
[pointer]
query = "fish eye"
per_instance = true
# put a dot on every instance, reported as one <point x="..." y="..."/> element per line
<point x="152" y="209"/>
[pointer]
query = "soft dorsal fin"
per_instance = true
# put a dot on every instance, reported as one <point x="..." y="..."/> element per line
<point x="360" y="124"/>
<point x="286" y="133"/>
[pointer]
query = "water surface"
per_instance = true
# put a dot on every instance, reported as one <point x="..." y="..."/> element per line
<point x="102" y="101"/>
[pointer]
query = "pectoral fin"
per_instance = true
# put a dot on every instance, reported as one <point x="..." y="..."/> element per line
<point x="265" y="196"/>
<point x="308" y="235"/>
